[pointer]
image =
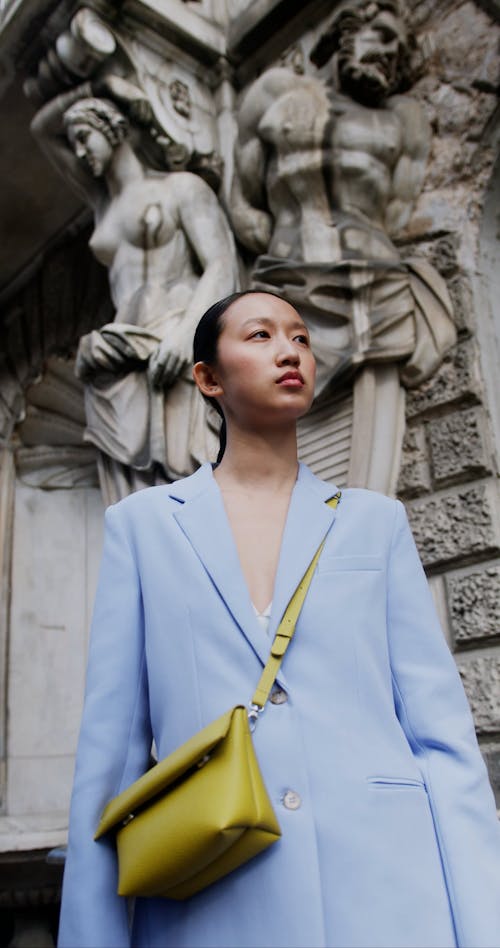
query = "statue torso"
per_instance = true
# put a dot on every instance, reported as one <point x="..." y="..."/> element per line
<point x="139" y="237"/>
<point x="329" y="157"/>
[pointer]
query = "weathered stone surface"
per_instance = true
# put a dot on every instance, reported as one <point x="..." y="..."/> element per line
<point x="438" y="590"/>
<point x="57" y="537"/>
<point x="461" y="297"/>
<point x="466" y="36"/>
<point x="458" y="447"/>
<point x="457" y="380"/>
<point x="414" y="476"/>
<point x="491" y="754"/>
<point x="454" y="526"/>
<point x="444" y="255"/>
<point x="481" y="678"/>
<point x="473" y="604"/>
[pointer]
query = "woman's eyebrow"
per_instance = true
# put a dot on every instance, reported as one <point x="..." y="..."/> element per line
<point x="271" y="322"/>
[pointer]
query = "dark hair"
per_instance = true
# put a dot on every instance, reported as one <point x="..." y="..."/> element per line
<point x="205" y="342"/>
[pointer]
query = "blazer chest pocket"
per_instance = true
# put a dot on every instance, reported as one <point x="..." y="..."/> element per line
<point x="331" y="564"/>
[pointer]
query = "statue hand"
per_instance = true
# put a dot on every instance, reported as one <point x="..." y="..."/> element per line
<point x="128" y="96"/>
<point x="101" y="356"/>
<point x="85" y="365"/>
<point x="169" y="360"/>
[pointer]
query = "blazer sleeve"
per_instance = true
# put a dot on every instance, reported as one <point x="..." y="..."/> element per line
<point x="113" y="748"/>
<point x="435" y="715"/>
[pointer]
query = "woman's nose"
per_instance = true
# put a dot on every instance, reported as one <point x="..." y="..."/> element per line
<point x="287" y="354"/>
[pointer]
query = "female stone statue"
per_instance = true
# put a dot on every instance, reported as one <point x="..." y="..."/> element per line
<point x="169" y="252"/>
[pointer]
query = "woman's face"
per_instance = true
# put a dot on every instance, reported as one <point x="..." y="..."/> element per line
<point x="91" y="147"/>
<point x="265" y="368"/>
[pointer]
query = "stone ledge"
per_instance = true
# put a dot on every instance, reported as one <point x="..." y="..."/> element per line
<point x="25" y="833"/>
<point x="182" y="25"/>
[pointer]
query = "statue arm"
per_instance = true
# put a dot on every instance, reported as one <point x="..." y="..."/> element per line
<point x="251" y="222"/>
<point x="208" y="233"/>
<point x="409" y="172"/>
<point x="248" y="206"/>
<point x="48" y="129"/>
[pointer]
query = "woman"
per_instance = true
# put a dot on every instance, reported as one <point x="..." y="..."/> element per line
<point x="367" y="749"/>
<point x="168" y="249"/>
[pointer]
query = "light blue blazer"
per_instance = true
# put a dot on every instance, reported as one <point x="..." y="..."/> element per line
<point x="395" y="841"/>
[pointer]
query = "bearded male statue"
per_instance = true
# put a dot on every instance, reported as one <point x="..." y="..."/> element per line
<point x="327" y="173"/>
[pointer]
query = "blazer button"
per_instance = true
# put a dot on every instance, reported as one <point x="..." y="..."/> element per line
<point x="291" y="800"/>
<point x="278" y="696"/>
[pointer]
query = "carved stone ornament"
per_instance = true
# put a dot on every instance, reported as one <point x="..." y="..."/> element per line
<point x="51" y="452"/>
<point x="140" y="81"/>
<point x="169" y="252"/>
<point x="327" y="174"/>
<point x="181" y="99"/>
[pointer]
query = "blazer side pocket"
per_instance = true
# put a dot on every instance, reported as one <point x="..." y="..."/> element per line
<point x="395" y="783"/>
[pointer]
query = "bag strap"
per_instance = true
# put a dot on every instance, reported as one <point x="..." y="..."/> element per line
<point x="285" y="631"/>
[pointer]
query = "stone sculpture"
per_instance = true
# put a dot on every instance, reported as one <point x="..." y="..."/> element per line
<point x="327" y="173"/>
<point x="169" y="253"/>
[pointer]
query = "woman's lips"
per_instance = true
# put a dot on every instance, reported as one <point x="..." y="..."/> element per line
<point x="291" y="380"/>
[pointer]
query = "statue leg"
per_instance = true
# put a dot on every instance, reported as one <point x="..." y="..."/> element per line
<point x="378" y="428"/>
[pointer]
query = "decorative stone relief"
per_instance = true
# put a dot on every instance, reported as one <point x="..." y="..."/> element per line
<point x="473" y="599"/>
<point x="293" y="58"/>
<point x="481" y="678"/>
<point x="51" y="452"/>
<point x="169" y="253"/>
<point x="181" y="99"/>
<point x="326" y="177"/>
<point x="451" y="526"/>
<point x="162" y="94"/>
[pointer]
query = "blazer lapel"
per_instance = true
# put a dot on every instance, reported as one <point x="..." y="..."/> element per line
<point x="309" y="520"/>
<point x="203" y="520"/>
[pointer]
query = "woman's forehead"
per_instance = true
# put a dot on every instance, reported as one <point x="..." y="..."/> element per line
<point x="263" y="306"/>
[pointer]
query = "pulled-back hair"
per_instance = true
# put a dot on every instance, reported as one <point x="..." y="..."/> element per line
<point x="205" y="342"/>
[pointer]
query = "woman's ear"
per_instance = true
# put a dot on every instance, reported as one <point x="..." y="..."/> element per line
<point x="206" y="380"/>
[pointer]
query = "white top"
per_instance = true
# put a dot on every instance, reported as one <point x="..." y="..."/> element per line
<point x="263" y="618"/>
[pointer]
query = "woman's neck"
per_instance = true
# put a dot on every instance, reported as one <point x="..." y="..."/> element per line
<point x="125" y="167"/>
<point x="263" y="461"/>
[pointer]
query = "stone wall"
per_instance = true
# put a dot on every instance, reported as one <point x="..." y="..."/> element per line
<point x="449" y="471"/>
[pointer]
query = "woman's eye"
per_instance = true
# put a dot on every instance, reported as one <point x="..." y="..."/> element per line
<point x="260" y="334"/>
<point x="304" y="340"/>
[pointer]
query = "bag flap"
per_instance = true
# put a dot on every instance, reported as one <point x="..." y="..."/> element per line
<point x="163" y="774"/>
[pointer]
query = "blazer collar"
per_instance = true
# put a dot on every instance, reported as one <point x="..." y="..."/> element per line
<point x="202" y="518"/>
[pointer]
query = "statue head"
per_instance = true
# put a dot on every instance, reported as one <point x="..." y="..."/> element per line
<point x="95" y="127"/>
<point x="374" y="43"/>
